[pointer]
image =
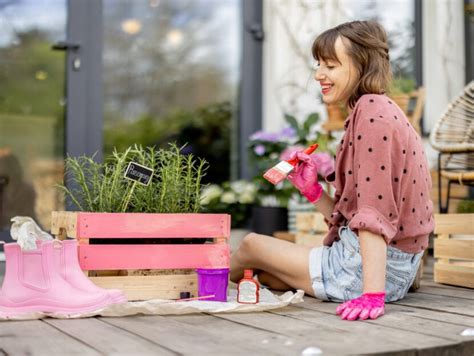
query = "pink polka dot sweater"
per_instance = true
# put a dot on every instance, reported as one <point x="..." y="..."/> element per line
<point x="382" y="177"/>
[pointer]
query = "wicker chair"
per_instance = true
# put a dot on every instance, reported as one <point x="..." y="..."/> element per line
<point x="453" y="137"/>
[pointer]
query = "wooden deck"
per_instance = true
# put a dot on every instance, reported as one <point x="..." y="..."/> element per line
<point x="428" y="322"/>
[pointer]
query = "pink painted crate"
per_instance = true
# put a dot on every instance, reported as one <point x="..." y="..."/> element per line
<point x="146" y="271"/>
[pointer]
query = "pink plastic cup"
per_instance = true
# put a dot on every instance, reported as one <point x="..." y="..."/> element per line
<point x="213" y="282"/>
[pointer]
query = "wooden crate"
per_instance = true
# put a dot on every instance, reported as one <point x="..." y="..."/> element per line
<point x="310" y="229"/>
<point x="144" y="270"/>
<point x="454" y="249"/>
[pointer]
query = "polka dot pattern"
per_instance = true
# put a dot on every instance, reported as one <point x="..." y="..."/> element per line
<point x="382" y="182"/>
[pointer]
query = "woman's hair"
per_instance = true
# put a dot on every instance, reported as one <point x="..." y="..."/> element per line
<point x="366" y="44"/>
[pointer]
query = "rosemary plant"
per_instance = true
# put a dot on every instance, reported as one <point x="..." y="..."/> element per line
<point x="101" y="187"/>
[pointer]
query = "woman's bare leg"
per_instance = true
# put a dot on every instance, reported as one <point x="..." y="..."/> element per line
<point x="283" y="260"/>
<point x="272" y="282"/>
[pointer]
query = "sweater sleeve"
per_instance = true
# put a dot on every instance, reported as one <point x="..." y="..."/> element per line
<point x="375" y="168"/>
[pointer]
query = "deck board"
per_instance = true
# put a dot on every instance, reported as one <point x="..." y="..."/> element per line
<point x="37" y="337"/>
<point x="180" y="337"/>
<point x="428" y="322"/>
<point x="106" y="338"/>
<point x="322" y="330"/>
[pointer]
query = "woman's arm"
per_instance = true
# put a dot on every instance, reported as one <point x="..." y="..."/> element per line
<point x="371" y="304"/>
<point x="325" y="205"/>
<point x="373" y="249"/>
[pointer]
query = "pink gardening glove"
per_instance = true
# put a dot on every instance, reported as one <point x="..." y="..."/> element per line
<point x="368" y="305"/>
<point x="305" y="177"/>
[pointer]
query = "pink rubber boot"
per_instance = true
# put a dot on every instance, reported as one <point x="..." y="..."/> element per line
<point x="66" y="261"/>
<point x="33" y="284"/>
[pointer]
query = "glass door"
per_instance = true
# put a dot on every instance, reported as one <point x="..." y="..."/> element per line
<point x="171" y="73"/>
<point x="32" y="110"/>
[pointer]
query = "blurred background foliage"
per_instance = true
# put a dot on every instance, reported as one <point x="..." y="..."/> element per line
<point x="205" y="130"/>
<point x="34" y="85"/>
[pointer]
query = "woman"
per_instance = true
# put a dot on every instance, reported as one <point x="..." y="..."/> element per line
<point x="381" y="216"/>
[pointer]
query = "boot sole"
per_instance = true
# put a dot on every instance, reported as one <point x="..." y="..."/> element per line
<point x="45" y="307"/>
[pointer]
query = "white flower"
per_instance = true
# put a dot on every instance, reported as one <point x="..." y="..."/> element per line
<point x="246" y="198"/>
<point x="250" y="188"/>
<point x="228" y="198"/>
<point x="273" y="155"/>
<point x="210" y="193"/>
<point x="238" y="186"/>
<point x="270" y="200"/>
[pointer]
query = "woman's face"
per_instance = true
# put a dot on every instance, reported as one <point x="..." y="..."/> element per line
<point x="337" y="80"/>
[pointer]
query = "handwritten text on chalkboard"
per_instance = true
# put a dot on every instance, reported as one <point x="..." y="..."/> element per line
<point x="139" y="173"/>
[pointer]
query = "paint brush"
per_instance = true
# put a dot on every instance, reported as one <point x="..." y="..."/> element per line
<point x="279" y="172"/>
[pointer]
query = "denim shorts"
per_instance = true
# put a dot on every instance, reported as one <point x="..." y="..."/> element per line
<point x="336" y="270"/>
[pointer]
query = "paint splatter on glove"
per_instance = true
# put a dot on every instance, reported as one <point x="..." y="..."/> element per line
<point x="305" y="177"/>
<point x="368" y="305"/>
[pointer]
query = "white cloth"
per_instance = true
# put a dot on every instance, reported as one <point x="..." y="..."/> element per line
<point x="26" y="232"/>
<point x="268" y="301"/>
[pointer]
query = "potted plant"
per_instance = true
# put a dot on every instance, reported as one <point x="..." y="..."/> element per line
<point x="235" y="198"/>
<point x="138" y="212"/>
<point x="270" y="212"/>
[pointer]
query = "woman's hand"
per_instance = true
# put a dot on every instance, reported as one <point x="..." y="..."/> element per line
<point x="368" y="305"/>
<point x="305" y="177"/>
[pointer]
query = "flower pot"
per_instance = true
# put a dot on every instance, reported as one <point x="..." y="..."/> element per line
<point x="213" y="282"/>
<point x="266" y="220"/>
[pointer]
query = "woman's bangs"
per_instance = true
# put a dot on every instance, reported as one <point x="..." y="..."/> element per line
<point x="323" y="47"/>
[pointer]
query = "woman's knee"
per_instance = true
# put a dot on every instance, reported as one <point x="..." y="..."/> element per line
<point x="248" y="246"/>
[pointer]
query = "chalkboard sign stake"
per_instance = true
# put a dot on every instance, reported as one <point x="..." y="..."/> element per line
<point x="128" y="197"/>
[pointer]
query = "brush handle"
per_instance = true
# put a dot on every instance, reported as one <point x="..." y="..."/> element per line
<point x="308" y="151"/>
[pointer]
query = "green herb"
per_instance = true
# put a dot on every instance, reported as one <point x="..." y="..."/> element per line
<point x="101" y="187"/>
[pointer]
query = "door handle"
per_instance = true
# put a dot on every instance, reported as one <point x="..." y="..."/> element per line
<point x="65" y="45"/>
<point x="256" y="30"/>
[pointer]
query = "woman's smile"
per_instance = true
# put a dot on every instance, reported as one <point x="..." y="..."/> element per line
<point x="326" y="88"/>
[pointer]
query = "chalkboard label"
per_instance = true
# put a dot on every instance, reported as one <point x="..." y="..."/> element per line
<point x="138" y="173"/>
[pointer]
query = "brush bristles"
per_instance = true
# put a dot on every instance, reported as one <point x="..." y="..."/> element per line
<point x="278" y="173"/>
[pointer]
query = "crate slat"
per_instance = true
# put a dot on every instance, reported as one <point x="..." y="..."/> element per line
<point x="454" y="274"/>
<point x="454" y="224"/>
<point x="312" y="240"/>
<point x="454" y="249"/>
<point x="450" y="248"/>
<point x="126" y="225"/>
<point x="63" y="224"/>
<point x="150" y="287"/>
<point x="185" y="256"/>
<point x="311" y="222"/>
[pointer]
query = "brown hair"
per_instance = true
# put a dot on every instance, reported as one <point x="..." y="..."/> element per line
<point x="366" y="43"/>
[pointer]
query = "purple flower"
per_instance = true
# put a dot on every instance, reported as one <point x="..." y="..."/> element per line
<point x="264" y="136"/>
<point x="259" y="150"/>
<point x="288" y="132"/>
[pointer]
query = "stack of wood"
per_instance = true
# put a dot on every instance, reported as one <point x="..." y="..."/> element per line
<point x="454" y="249"/>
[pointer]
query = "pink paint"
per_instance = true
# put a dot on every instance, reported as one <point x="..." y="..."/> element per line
<point x="111" y="257"/>
<point x="153" y="256"/>
<point x="126" y="225"/>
